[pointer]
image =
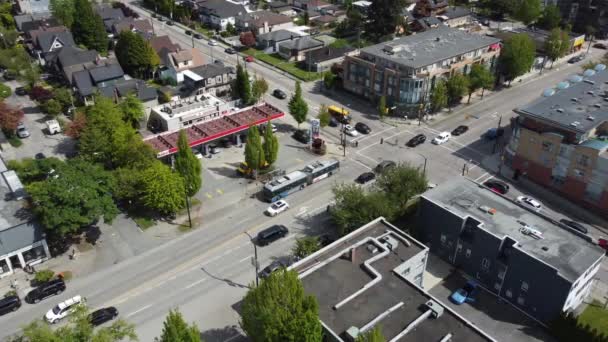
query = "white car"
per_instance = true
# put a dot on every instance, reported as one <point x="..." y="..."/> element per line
<point x="441" y="138"/>
<point x="22" y="132"/>
<point x="277" y="208"/>
<point x="213" y="42"/>
<point x="529" y="201"/>
<point x="63" y="309"/>
<point x="198" y="155"/>
<point x="350" y="130"/>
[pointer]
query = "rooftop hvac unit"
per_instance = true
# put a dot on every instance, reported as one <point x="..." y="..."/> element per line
<point x="372" y="248"/>
<point x="352" y="333"/>
<point x="487" y="209"/>
<point x="436" y="308"/>
<point x="390" y="242"/>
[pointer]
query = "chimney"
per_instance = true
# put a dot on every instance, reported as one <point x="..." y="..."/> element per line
<point x="353" y="255"/>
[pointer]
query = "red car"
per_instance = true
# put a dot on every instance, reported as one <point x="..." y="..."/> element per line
<point x="249" y="59"/>
<point x="603" y="243"/>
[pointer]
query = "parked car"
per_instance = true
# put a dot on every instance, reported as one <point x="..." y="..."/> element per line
<point x="350" y="130"/>
<point x="366" y="177"/>
<point x="9" y="304"/>
<point x="20" y="91"/>
<point x="39" y="156"/>
<point x="279" y="94"/>
<point x="466" y="293"/>
<point x="497" y="186"/>
<point x="441" y="138"/>
<point x="51" y="288"/>
<point x="188" y="32"/>
<point x="212" y="42"/>
<point x="273" y="267"/>
<point x="603" y="243"/>
<point x="576" y="59"/>
<point x="22" y="132"/>
<point x="53" y="127"/>
<point x="530" y="202"/>
<point x="198" y="36"/>
<point x="574" y="225"/>
<point x="333" y="122"/>
<point x="273" y="127"/>
<point x="460" y="130"/>
<point x="417" y="140"/>
<point x="63" y="309"/>
<point x="249" y="59"/>
<point x="494" y="133"/>
<point x="170" y="23"/>
<point x="600" y="46"/>
<point x="277" y="207"/>
<point x="101" y="316"/>
<point x="161" y="19"/>
<point x="385" y="165"/>
<point x="230" y="51"/>
<point x="363" y="128"/>
<point x="271" y="234"/>
<point x="9" y="76"/>
<point x="302" y="136"/>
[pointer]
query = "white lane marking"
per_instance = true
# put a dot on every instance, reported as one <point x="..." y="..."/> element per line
<point x="245" y="258"/>
<point x="478" y="178"/>
<point x="195" y="283"/>
<point x="139" y="310"/>
<point x="375" y="134"/>
<point x="360" y="163"/>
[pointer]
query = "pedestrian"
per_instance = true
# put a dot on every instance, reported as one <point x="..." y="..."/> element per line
<point x="357" y="143"/>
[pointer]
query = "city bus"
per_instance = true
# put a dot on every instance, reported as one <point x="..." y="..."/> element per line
<point x="297" y="180"/>
<point x="341" y="114"/>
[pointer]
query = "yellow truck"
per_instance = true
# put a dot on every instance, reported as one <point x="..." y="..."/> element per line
<point x="245" y="170"/>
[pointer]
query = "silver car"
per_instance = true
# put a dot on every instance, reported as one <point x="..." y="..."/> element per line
<point x="22" y="132"/>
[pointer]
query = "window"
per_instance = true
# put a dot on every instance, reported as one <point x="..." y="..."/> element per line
<point x="524" y="286"/>
<point x="547" y="146"/>
<point x="485" y="264"/>
<point x="520" y="300"/>
<point x="406" y="271"/>
<point x="509" y="294"/>
<point x="443" y="238"/>
<point x="579" y="173"/>
<point x="468" y="253"/>
<point x="583" y="160"/>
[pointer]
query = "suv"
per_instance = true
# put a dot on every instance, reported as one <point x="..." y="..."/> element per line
<point x="273" y="267"/>
<point x="574" y="225"/>
<point x="417" y="140"/>
<point x="302" y="136"/>
<point x="8" y="304"/>
<point x="384" y="165"/>
<point x="63" y="309"/>
<point x="271" y="234"/>
<point x="51" y="288"/>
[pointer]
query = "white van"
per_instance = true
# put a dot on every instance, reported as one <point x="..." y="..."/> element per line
<point x="63" y="309"/>
<point x="53" y="127"/>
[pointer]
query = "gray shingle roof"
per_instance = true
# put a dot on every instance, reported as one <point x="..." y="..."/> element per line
<point x="106" y="72"/>
<point x="46" y="39"/>
<point x="327" y="53"/>
<point x="278" y="35"/>
<point x="303" y="43"/>
<point x="125" y="87"/>
<point x="212" y="70"/>
<point x="429" y="47"/>
<point x="82" y="81"/>
<point x="106" y="12"/>
<point x="72" y="55"/>
<point x="221" y="8"/>
<point x="456" y="12"/>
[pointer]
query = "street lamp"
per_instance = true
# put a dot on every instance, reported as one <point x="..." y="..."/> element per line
<point x="255" y="260"/>
<point x="424" y="167"/>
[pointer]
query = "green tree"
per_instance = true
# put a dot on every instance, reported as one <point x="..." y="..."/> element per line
<point x="254" y="152"/>
<point x="187" y="165"/>
<point x="439" y="96"/>
<point x="279" y="310"/>
<point x="5" y="91"/>
<point x="242" y="85"/>
<point x="162" y="189"/>
<point x="305" y="246"/>
<point x="323" y="116"/>
<point x="329" y="80"/>
<point x="64" y="97"/>
<point x="231" y="29"/>
<point x="88" y="28"/>
<point x="258" y="89"/>
<point x="135" y="54"/>
<point x="383" y="17"/>
<point x="517" y="56"/>
<point x="76" y="194"/>
<point x="271" y="145"/>
<point x="132" y="110"/>
<point x="479" y="78"/>
<point x="18" y="62"/>
<point x="63" y="10"/>
<point x="175" y="329"/>
<point x="382" y="107"/>
<point x="457" y="86"/>
<point x="305" y="18"/>
<point x="400" y="184"/>
<point x="528" y="11"/>
<point x="298" y="108"/>
<point x="374" y="335"/>
<point x="551" y="17"/>
<point x="556" y="45"/>
<point x="9" y="37"/>
<point x="52" y="107"/>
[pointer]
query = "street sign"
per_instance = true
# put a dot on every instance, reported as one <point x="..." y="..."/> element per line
<point x="315" y="128"/>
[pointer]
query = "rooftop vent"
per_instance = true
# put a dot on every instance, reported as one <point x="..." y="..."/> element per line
<point x="527" y="230"/>
<point x="590" y="92"/>
<point x="390" y="242"/>
<point x="590" y="118"/>
<point x="589" y="82"/>
<point x="560" y="110"/>
<point x="372" y="248"/>
<point x="544" y="248"/>
<point x="435" y="307"/>
<point x="597" y="105"/>
<point x="574" y="99"/>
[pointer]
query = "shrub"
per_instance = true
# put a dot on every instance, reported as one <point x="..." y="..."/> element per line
<point x="10" y="293"/>
<point x="40" y="94"/>
<point x="43" y="276"/>
<point x="5" y="91"/>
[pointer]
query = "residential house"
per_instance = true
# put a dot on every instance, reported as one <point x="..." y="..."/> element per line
<point x="456" y="16"/>
<point x="215" y="78"/>
<point x="48" y="44"/>
<point x="425" y="23"/>
<point x="296" y="50"/>
<point x="175" y="63"/>
<point x="71" y="59"/>
<point x="219" y="13"/>
<point x="33" y="6"/>
<point x="281" y="8"/>
<point x="310" y="5"/>
<point x="323" y="59"/>
<point x="109" y="15"/>
<point x="163" y="45"/>
<point x="514" y="252"/>
<point x="87" y="81"/>
<point x="122" y="87"/>
<point x="270" y="41"/>
<point x="22" y="238"/>
<point x="261" y="22"/>
<point x="141" y="26"/>
<point x="28" y="22"/>
<point x="325" y="20"/>
<point x="430" y="8"/>
<point x="405" y="70"/>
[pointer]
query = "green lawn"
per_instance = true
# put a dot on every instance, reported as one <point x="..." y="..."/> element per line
<point x="144" y="222"/>
<point x="596" y="317"/>
<point x="289" y="67"/>
<point x="205" y="31"/>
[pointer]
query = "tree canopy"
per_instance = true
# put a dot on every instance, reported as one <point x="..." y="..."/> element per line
<point x="479" y="77"/>
<point x="439" y="96"/>
<point x="63" y="10"/>
<point x="259" y="88"/>
<point x="163" y="190"/>
<point x="305" y="246"/>
<point x="400" y="184"/>
<point x="527" y="10"/>
<point x="382" y="106"/>
<point x="323" y="116"/>
<point x="457" y="86"/>
<point x="254" y="151"/>
<point x="298" y="108"/>
<point x="517" y="56"/>
<point x="242" y="85"/>
<point x="374" y="335"/>
<point x="135" y="54"/>
<point x="132" y="110"/>
<point x="9" y="118"/>
<point x="551" y="17"/>
<point x="188" y="166"/>
<point x="175" y="329"/>
<point x="271" y="145"/>
<point x="384" y="16"/>
<point x="88" y="28"/>
<point x="279" y="310"/>
<point x="557" y="44"/>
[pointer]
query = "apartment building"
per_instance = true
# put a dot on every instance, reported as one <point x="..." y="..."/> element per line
<point x="512" y="251"/>
<point x="561" y="140"/>
<point x="405" y="70"/>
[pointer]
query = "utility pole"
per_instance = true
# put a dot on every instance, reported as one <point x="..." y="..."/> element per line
<point x="424" y="167"/>
<point x="188" y="207"/>
<point x="255" y="260"/>
<point x="497" y="135"/>
<point x="590" y="42"/>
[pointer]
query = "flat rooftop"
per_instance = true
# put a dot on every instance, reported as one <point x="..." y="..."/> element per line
<point x="429" y="47"/>
<point x="188" y="106"/>
<point x="331" y="278"/>
<point x="559" y="247"/>
<point x="232" y="122"/>
<point x="580" y="107"/>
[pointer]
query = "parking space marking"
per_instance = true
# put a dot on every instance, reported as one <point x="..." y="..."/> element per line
<point x="246" y="258"/>
<point x="209" y="196"/>
<point x="480" y="177"/>
<point x="360" y="163"/>
<point x="299" y="160"/>
<point x="219" y="191"/>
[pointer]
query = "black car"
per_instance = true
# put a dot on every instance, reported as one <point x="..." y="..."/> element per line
<point x="50" y="288"/>
<point x="385" y="165"/>
<point x="9" y="76"/>
<point x="20" y="91"/>
<point x="271" y="234"/>
<point x="230" y="51"/>
<point x="417" y="140"/>
<point x="366" y="177"/>
<point x="302" y="136"/>
<point x="198" y="36"/>
<point x="9" y="304"/>
<point x="274" y="266"/>
<point x="279" y="94"/>
<point x="460" y="130"/>
<point x="363" y="128"/>
<point x="188" y="32"/>
<point x="574" y="225"/>
<point x="600" y="46"/>
<point x="39" y="156"/>
<point x="576" y="59"/>
<point x="333" y="122"/>
<point x="170" y="23"/>
<point x="497" y="186"/>
<point x="344" y="119"/>
<point x="103" y="315"/>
